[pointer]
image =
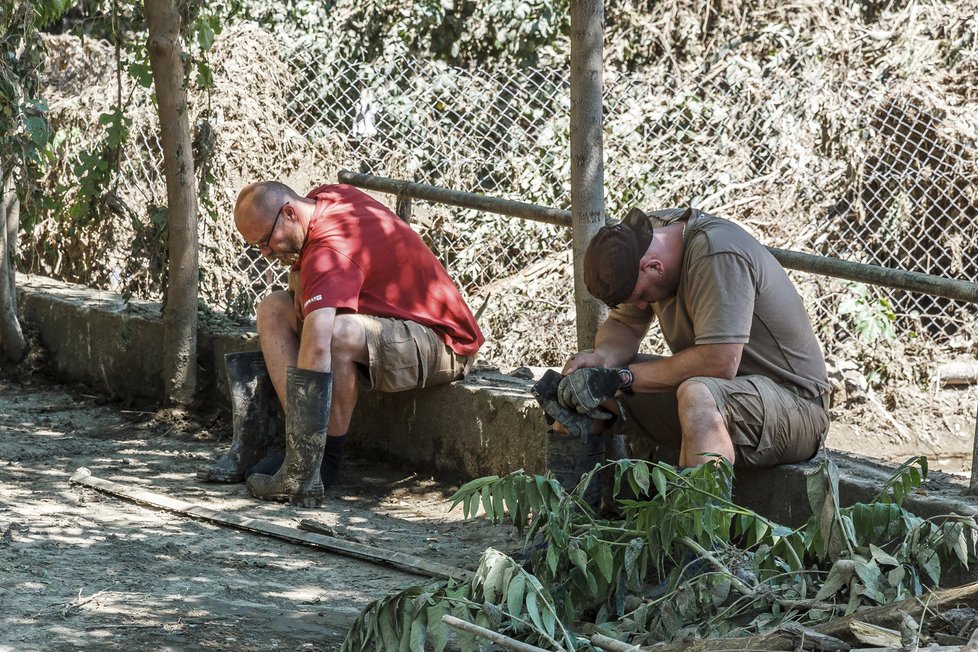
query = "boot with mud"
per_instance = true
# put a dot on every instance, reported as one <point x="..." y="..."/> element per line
<point x="253" y="407"/>
<point x="308" y="398"/>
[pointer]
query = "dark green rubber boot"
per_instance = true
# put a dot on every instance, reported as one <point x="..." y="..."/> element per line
<point x="253" y="405"/>
<point x="569" y="457"/>
<point x="308" y="398"/>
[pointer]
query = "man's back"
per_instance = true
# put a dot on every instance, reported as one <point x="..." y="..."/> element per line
<point x="732" y="290"/>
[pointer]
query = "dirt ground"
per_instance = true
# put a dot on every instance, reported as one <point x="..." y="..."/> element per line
<point x="83" y="569"/>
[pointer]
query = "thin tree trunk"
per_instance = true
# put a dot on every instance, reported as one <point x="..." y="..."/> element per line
<point x="587" y="147"/>
<point x="12" y="340"/>
<point x="180" y="312"/>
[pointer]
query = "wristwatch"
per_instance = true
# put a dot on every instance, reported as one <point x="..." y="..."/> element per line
<point x="627" y="378"/>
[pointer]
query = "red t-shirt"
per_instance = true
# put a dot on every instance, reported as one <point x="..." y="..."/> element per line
<point x="360" y="257"/>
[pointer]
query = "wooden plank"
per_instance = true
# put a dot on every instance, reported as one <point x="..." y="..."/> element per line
<point x="399" y="560"/>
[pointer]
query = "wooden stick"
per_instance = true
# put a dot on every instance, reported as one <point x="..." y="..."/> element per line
<point x="808" y="639"/>
<point x="613" y="644"/>
<point x="398" y="560"/>
<point x="497" y="638"/>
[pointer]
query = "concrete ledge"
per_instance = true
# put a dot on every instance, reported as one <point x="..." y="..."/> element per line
<point x="99" y="339"/>
<point x="487" y="424"/>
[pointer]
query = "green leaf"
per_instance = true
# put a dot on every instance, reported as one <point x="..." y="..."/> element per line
<point x="142" y="73"/>
<point x="895" y="577"/>
<point x="870" y="575"/>
<point x="487" y="502"/>
<point x="549" y="621"/>
<point x="839" y="577"/>
<point x="418" y="635"/>
<point x="498" y="503"/>
<point x="930" y="562"/>
<point x="760" y="529"/>
<point x="532" y="610"/>
<point x="882" y="557"/>
<point x="578" y="558"/>
<point x="514" y="597"/>
<point x="205" y="76"/>
<point x="960" y="545"/>
<point x="205" y="35"/>
<point x="552" y="558"/>
<point x="604" y="559"/>
<point x="641" y="475"/>
<point x="492" y="586"/>
<point x="37" y="128"/>
<point x="659" y="479"/>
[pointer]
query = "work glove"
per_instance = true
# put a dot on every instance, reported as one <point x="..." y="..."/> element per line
<point x="586" y="389"/>
<point x="545" y="392"/>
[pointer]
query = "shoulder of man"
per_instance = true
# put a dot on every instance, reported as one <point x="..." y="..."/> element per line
<point x="320" y="189"/>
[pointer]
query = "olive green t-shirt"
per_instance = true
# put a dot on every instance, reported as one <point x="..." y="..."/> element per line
<point x="732" y="290"/>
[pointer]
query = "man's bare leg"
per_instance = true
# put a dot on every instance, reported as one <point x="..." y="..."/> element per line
<point x="278" y="330"/>
<point x="702" y="426"/>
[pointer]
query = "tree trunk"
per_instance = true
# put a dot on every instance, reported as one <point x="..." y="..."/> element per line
<point x="180" y="311"/>
<point x="587" y="152"/>
<point x="12" y="341"/>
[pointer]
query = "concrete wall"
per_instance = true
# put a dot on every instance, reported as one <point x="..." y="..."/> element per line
<point x="486" y="425"/>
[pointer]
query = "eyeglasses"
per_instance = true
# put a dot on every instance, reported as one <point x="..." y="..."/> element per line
<point x="263" y="243"/>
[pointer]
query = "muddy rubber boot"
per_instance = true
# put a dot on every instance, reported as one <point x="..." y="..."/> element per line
<point x="308" y="398"/>
<point x="253" y="406"/>
<point x="569" y="457"/>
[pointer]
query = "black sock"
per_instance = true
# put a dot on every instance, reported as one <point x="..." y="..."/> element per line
<point x="268" y="465"/>
<point x="332" y="458"/>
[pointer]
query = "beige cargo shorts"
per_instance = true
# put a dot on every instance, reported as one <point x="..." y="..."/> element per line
<point x="768" y="423"/>
<point x="406" y="355"/>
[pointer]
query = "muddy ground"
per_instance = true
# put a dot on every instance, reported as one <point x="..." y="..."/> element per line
<point x="80" y="569"/>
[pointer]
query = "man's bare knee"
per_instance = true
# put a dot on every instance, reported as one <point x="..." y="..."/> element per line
<point x="275" y="307"/>
<point x="692" y="393"/>
<point x="349" y="338"/>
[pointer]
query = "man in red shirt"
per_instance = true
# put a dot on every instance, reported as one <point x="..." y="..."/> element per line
<point x="368" y="303"/>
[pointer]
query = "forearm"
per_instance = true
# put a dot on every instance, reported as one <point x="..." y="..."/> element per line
<point x="617" y="343"/>
<point x="666" y="374"/>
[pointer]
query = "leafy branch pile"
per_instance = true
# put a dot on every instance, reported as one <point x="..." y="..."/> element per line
<point x="679" y="560"/>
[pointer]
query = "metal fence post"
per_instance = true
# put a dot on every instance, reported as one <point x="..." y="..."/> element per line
<point x="587" y="151"/>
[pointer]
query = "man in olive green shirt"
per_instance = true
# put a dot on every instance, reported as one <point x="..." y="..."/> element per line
<point x="746" y="379"/>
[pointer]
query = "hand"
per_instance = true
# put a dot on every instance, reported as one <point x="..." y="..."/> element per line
<point x="545" y="391"/>
<point x="586" y="389"/>
<point x="583" y="359"/>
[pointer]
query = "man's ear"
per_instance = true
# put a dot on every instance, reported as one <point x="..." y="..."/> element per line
<point x="652" y="265"/>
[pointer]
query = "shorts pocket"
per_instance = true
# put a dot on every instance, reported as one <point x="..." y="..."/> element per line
<point x="400" y="365"/>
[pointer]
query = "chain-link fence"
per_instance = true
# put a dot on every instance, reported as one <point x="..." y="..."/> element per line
<point x="871" y="170"/>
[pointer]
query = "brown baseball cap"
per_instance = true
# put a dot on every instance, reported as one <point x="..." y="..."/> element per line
<point x="612" y="259"/>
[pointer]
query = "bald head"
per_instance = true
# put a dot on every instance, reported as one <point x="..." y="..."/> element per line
<point x="258" y="204"/>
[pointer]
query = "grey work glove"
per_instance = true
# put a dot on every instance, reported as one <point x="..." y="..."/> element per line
<point x="545" y="392"/>
<point x="586" y="389"/>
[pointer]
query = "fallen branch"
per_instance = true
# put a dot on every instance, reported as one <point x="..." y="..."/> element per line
<point x="499" y="639"/>
<point x="807" y="638"/>
<point x="891" y="615"/>
<point x="399" y="560"/>
<point x="613" y="644"/>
